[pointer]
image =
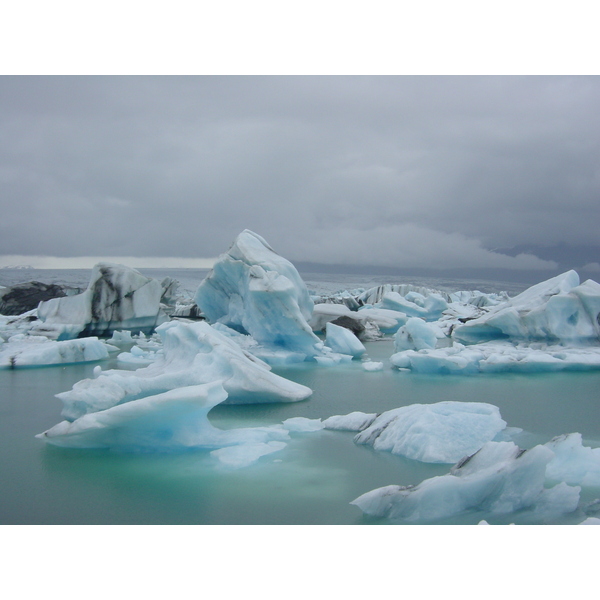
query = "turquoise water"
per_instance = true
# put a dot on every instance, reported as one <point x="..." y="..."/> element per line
<point x="311" y="481"/>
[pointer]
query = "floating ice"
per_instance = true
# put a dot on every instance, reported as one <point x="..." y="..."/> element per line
<point x="415" y="305"/>
<point x="443" y="432"/>
<point x="372" y="366"/>
<point x="117" y="297"/>
<point x="573" y="462"/>
<point x="591" y="521"/>
<point x="554" y="310"/>
<point x="499" y="357"/>
<point x="28" y="350"/>
<point x="172" y="421"/>
<point x="255" y="291"/>
<point x="415" y="334"/>
<point x="193" y="354"/>
<point x="302" y="424"/>
<point x="500" y="478"/>
<point x="343" y="341"/>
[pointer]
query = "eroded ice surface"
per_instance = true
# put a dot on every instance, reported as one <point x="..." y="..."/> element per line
<point x="254" y="290"/>
<point x="193" y="354"/>
<point x="117" y="297"/>
<point x="500" y="478"/>
<point x="415" y="334"/>
<point x="573" y="462"/>
<point x="443" y="432"/>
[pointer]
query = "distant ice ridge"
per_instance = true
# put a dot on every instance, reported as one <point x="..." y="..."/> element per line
<point x="559" y="309"/>
<point x="171" y="421"/>
<point x="117" y="298"/>
<point x="500" y="478"/>
<point x="254" y="291"/>
<point x="192" y="354"/>
<point x="499" y="357"/>
<point x="29" y="350"/>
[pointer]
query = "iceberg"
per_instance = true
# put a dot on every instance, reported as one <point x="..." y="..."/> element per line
<point x="555" y="310"/>
<point x="117" y="298"/>
<point x="443" y="432"/>
<point x="343" y="341"/>
<point x="173" y="421"/>
<point x="415" y="334"/>
<point x="24" y="297"/>
<point x="192" y="354"/>
<point x="500" y="478"/>
<point x="255" y="291"/>
<point x="355" y="421"/>
<point x="23" y="350"/>
<point x="428" y="307"/>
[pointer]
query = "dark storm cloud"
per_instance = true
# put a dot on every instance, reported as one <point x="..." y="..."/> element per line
<point x="396" y="171"/>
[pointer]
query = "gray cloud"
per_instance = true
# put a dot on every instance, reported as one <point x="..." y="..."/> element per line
<point x="392" y="171"/>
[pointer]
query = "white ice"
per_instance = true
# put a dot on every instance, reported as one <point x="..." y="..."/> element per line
<point x="443" y="432"/>
<point x="193" y="354"/>
<point x="343" y="341"/>
<point x="372" y="366"/>
<point x="255" y="291"/>
<point x="573" y="462"/>
<point x="415" y="334"/>
<point x="355" y="421"/>
<point x="117" y="298"/>
<point x="28" y="350"/>
<point x="500" y="478"/>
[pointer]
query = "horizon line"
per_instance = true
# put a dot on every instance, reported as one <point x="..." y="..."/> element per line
<point x="88" y="262"/>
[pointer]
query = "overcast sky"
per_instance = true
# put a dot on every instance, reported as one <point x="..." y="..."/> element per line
<point x="396" y="171"/>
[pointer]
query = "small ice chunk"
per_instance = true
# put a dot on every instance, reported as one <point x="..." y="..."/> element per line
<point x="371" y="365"/>
<point x="244" y="455"/>
<point x="343" y="341"/>
<point x="302" y="424"/>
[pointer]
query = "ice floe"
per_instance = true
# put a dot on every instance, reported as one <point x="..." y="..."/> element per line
<point x="500" y="478"/>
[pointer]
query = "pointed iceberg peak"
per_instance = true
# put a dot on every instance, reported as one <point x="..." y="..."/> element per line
<point x="255" y="291"/>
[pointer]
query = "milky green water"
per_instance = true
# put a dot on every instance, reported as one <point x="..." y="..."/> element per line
<point x="311" y="481"/>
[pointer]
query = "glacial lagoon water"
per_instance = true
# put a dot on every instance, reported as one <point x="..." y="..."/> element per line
<point x="311" y="481"/>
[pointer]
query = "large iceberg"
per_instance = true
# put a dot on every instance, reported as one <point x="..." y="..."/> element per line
<point x="192" y="354"/>
<point x="500" y="478"/>
<point x="172" y="421"/>
<point x="415" y="334"/>
<point x="117" y="297"/>
<point x="255" y="291"/>
<point x="559" y="309"/>
<point x="443" y="432"/>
